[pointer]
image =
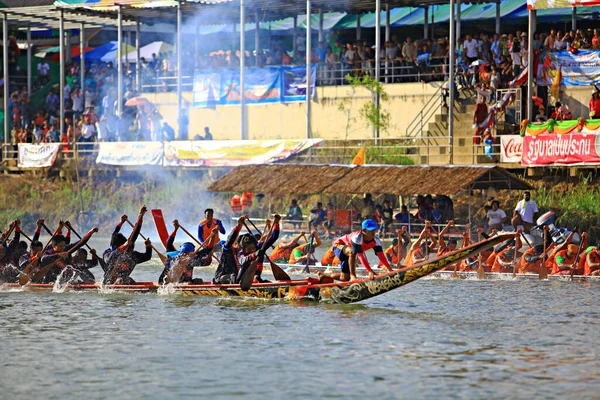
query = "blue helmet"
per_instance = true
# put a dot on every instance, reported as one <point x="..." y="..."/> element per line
<point x="187" y="247"/>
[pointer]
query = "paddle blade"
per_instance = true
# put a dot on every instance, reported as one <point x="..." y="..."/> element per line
<point x="543" y="275"/>
<point x="161" y="228"/>
<point x="279" y="273"/>
<point x="481" y="272"/>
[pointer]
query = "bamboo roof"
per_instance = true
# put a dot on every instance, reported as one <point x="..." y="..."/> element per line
<point x="283" y="179"/>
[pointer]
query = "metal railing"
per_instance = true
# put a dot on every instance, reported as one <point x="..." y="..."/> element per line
<point x="328" y="74"/>
<point x="435" y="103"/>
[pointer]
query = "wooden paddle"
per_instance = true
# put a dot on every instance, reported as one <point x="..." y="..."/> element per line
<point x="576" y="262"/>
<point x="25" y="277"/>
<point x="161" y="228"/>
<point x="517" y="247"/>
<point x="162" y="257"/>
<point x="306" y="270"/>
<point x="480" y="271"/>
<point x="68" y="224"/>
<point x="278" y="273"/>
<point x="543" y="273"/>
<point x="5" y="238"/>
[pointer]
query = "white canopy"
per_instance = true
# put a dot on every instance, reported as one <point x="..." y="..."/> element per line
<point x="146" y="51"/>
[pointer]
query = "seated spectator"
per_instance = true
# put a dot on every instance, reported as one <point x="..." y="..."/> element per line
<point x="168" y="132"/>
<point x="317" y="217"/>
<point x="294" y="214"/>
<point x="403" y="216"/>
<point x="561" y="112"/>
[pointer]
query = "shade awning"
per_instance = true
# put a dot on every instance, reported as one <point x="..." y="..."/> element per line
<point x="284" y="179"/>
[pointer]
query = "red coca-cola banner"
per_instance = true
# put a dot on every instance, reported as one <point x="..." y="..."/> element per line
<point x="511" y="147"/>
<point x="575" y="148"/>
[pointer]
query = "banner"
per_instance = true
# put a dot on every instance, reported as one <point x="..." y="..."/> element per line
<point x="576" y="148"/>
<point x="511" y="147"/>
<point x="37" y="156"/>
<point x="232" y="153"/>
<point x="284" y="84"/>
<point x="543" y="4"/>
<point x="579" y="69"/>
<point x="130" y="153"/>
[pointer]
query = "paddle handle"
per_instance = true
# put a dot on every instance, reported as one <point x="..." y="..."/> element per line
<point x="26" y="237"/>
<point x="202" y="245"/>
<point x="76" y="234"/>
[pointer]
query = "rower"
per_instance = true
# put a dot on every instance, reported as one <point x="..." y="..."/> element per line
<point x="188" y="257"/>
<point x="352" y="246"/>
<point x="252" y="251"/>
<point x="116" y="237"/>
<point x="329" y="258"/>
<point x="228" y="265"/>
<point x="123" y="259"/>
<point x="592" y="261"/>
<point x="8" y="268"/>
<point x="304" y="253"/>
<point x="282" y="252"/>
<point x="505" y="260"/>
<point x="391" y="253"/>
<point x="206" y="226"/>
<point x="565" y="260"/>
<point x="418" y="250"/>
<point x="81" y="266"/>
<point x="531" y="260"/>
<point x="60" y="257"/>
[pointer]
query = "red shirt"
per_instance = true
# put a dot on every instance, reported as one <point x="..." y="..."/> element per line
<point x="594" y="105"/>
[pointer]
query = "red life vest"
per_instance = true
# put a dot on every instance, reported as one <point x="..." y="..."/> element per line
<point x="236" y="204"/>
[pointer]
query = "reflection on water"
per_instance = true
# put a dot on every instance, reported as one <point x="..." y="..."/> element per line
<point x="431" y="339"/>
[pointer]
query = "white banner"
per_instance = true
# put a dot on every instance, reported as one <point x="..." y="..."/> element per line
<point x="37" y="156"/>
<point x="511" y="148"/>
<point x="130" y="153"/>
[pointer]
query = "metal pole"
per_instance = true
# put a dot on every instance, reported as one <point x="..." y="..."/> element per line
<point x="196" y="46"/>
<point x="321" y="36"/>
<point x="119" y="63"/>
<point x="62" y="71"/>
<point x="387" y="22"/>
<point x="574" y="19"/>
<point x="294" y="32"/>
<point x="29" y="67"/>
<point x="242" y="67"/>
<point x="6" y="79"/>
<point x="308" y="69"/>
<point x="377" y="61"/>
<point x="530" y="73"/>
<point x="81" y="59"/>
<point x="256" y="37"/>
<point x="451" y="62"/>
<point x="358" y="26"/>
<point x="138" y="66"/>
<point x="458" y="19"/>
<point x="498" y="17"/>
<point x="426" y="23"/>
<point x="68" y="46"/>
<point x="179" y="62"/>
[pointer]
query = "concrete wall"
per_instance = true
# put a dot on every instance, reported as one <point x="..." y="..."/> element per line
<point x="278" y="121"/>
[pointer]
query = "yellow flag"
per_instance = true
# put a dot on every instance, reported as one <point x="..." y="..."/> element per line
<point x="556" y="84"/>
<point x="361" y="157"/>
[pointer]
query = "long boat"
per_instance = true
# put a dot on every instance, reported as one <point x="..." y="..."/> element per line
<point x="308" y="289"/>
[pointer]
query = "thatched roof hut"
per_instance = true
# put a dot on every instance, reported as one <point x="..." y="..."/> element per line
<point x="424" y="179"/>
<point x="284" y="179"/>
<point x="280" y="179"/>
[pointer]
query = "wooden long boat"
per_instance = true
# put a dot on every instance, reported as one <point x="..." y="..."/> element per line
<point x="308" y="289"/>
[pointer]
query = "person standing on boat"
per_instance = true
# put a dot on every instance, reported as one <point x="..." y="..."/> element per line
<point x="123" y="259"/>
<point x="206" y="226"/>
<point x="228" y="264"/>
<point x="352" y="246"/>
<point x="253" y="251"/>
<point x="525" y="213"/>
